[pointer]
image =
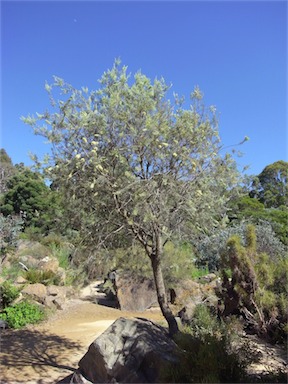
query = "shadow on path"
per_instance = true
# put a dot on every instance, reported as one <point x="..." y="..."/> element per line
<point x="38" y="351"/>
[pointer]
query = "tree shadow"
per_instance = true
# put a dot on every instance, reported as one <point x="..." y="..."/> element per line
<point x="29" y="352"/>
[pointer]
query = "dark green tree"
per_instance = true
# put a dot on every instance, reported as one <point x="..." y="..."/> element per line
<point x="270" y="186"/>
<point x="28" y="195"/>
<point x="6" y="170"/>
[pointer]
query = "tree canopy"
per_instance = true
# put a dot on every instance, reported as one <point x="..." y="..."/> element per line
<point x="271" y="186"/>
<point x="138" y="162"/>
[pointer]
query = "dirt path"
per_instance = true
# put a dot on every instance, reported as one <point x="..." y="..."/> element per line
<point x="49" y="352"/>
<point x="46" y="353"/>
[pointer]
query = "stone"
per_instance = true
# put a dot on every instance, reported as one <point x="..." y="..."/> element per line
<point x="135" y="293"/>
<point x="3" y="324"/>
<point x="49" y="264"/>
<point x="181" y="293"/>
<point x="186" y="314"/>
<point x="61" y="274"/>
<point x="29" y="261"/>
<point x="55" y="290"/>
<point x="20" y="280"/>
<point x="36" y="292"/>
<point x="129" y="351"/>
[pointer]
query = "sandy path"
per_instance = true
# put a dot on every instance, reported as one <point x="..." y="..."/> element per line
<point x="46" y="353"/>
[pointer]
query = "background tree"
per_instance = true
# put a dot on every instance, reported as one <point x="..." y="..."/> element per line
<point x="28" y="195"/>
<point x="6" y="170"/>
<point x="271" y="187"/>
<point x="138" y="162"/>
<point x="265" y="199"/>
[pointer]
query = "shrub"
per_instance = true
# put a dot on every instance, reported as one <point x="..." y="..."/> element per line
<point x="21" y="314"/>
<point x="211" y="247"/>
<point x="8" y="293"/>
<point x="53" y="240"/>
<point x="257" y="286"/>
<point x="62" y="255"/>
<point x="43" y="277"/>
<point x="207" y="353"/>
<point x="10" y="227"/>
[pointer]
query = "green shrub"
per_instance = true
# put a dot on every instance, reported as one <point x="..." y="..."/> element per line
<point x="8" y="293"/>
<point x="257" y="287"/>
<point x="10" y="227"/>
<point x="207" y="353"/>
<point x="43" y="277"/>
<point x="12" y="271"/>
<point x="21" y="314"/>
<point x="62" y="255"/>
<point x="53" y="240"/>
<point x="37" y="250"/>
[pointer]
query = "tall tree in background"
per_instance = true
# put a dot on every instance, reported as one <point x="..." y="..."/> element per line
<point x="137" y="162"/>
<point x="6" y="170"/>
<point x="28" y="195"/>
<point x="271" y="186"/>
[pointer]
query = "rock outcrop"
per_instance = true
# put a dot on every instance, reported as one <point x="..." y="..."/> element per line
<point x="129" y="351"/>
<point x="134" y="293"/>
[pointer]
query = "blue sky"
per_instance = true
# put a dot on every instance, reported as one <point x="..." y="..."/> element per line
<point x="236" y="52"/>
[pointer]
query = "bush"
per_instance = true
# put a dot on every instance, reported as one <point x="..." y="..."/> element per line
<point x="21" y="314"/>
<point x="62" y="255"/>
<point x="8" y="293"/>
<point x="207" y="353"/>
<point x="257" y="287"/>
<point x="53" y="240"/>
<point x="43" y="277"/>
<point x="10" y="227"/>
<point x="211" y="247"/>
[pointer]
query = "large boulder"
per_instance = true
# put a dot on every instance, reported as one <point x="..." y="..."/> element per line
<point x="134" y="293"/>
<point x="129" y="351"/>
<point x="37" y="292"/>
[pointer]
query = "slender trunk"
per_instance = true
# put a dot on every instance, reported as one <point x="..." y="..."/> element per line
<point x="161" y="291"/>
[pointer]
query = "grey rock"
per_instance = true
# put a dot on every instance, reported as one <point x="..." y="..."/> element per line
<point x="3" y="324"/>
<point x="135" y="293"/>
<point x="129" y="351"/>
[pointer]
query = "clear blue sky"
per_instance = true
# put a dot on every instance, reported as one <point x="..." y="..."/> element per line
<point x="236" y="52"/>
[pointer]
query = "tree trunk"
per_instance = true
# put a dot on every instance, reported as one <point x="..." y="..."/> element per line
<point x="155" y="258"/>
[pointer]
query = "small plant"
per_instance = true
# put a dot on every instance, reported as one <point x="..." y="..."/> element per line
<point x="61" y="254"/>
<point x="21" y="314"/>
<point x="8" y="293"/>
<point x="43" y="277"/>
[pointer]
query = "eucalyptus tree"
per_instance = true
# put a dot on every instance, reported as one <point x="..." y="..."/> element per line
<point x="138" y="162"/>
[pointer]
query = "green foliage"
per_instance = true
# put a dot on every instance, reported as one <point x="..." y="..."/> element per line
<point x="21" y="314"/>
<point x="128" y="160"/>
<point x="252" y="209"/>
<point x="34" y="276"/>
<point x="62" y="255"/>
<point x="8" y="293"/>
<point x="6" y="170"/>
<point x="11" y="271"/>
<point x="10" y="228"/>
<point x="28" y="195"/>
<point x="257" y="286"/>
<point x="207" y="353"/>
<point x="134" y="158"/>
<point x="271" y="185"/>
<point x="210" y="247"/>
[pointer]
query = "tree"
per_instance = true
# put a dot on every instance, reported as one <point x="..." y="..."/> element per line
<point x="138" y="162"/>
<point x="29" y="196"/>
<point x="271" y="187"/>
<point x="6" y="170"/>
